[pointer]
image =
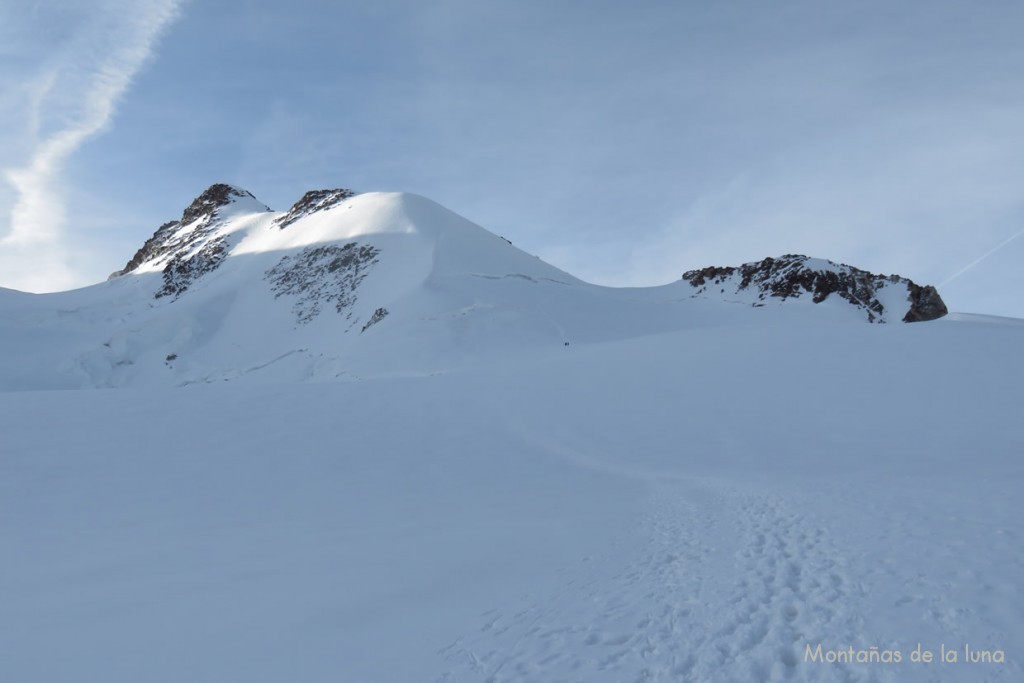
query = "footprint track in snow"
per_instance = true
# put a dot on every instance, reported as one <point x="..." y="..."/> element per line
<point x="724" y="586"/>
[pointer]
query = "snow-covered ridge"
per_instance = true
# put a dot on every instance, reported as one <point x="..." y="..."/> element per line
<point x="226" y="221"/>
<point x="198" y="222"/>
<point x="881" y="298"/>
<point x="347" y="285"/>
<point x="311" y="202"/>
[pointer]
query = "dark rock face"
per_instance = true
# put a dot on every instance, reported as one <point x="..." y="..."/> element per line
<point x="323" y="275"/>
<point x="154" y="247"/>
<point x="925" y="304"/>
<point x="313" y="201"/>
<point x="792" y="276"/>
<point x="181" y="272"/>
<point x="377" y="316"/>
<point x="170" y="238"/>
<point x="212" y="199"/>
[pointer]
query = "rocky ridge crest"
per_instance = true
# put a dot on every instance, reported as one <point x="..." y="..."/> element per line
<point x="794" y="275"/>
<point x="197" y="221"/>
<point x="311" y="202"/>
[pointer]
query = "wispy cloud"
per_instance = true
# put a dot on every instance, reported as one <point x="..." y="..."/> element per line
<point x="68" y="101"/>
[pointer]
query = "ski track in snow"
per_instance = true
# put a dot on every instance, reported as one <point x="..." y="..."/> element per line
<point x="674" y="614"/>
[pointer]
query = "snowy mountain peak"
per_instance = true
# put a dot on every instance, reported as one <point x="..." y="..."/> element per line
<point x="312" y="202"/>
<point x="346" y="285"/>
<point x="881" y="298"/>
<point x="178" y="237"/>
<point x="209" y="204"/>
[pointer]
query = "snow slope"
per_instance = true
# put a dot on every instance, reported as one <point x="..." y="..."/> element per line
<point x="681" y="506"/>
<point x="344" y="286"/>
<point x="692" y="490"/>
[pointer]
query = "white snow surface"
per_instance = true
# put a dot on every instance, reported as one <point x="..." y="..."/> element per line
<point x="690" y="490"/>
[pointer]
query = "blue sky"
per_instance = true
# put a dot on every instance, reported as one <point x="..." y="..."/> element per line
<point x="623" y="143"/>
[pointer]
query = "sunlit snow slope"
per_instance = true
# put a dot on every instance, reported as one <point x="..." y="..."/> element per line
<point x="694" y="489"/>
<point x="344" y="286"/>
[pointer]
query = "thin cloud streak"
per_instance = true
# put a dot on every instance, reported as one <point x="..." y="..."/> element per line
<point x="32" y="256"/>
<point x="981" y="258"/>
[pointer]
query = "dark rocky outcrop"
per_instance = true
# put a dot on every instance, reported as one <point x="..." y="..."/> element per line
<point x="327" y="274"/>
<point x="181" y="271"/>
<point x="793" y="275"/>
<point x="170" y="237"/>
<point x="211" y="200"/>
<point x="311" y="202"/>
<point x="925" y="304"/>
<point x="377" y="316"/>
<point x="152" y="248"/>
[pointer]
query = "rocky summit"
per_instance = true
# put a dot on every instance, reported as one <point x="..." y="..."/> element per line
<point x="882" y="298"/>
<point x="178" y="237"/>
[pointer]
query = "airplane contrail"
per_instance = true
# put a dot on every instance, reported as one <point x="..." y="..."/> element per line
<point x="91" y="76"/>
<point x="982" y="257"/>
